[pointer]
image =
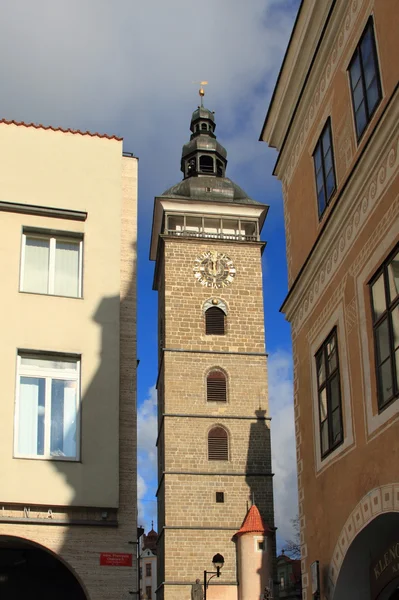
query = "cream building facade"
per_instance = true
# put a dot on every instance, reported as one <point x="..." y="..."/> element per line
<point x="334" y="118"/>
<point x="68" y="206"/>
<point x="214" y="455"/>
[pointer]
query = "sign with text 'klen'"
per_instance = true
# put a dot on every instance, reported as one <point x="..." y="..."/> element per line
<point x="115" y="559"/>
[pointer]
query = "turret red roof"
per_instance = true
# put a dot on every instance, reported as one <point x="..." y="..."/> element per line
<point x="253" y="523"/>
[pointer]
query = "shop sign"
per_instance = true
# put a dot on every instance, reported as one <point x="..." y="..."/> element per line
<point x="116" y="559"/>
<point x="384" y="569"/>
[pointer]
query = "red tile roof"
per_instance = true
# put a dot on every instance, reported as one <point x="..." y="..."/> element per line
<point x="253" y="523"/>
<point x="75" y="131"/>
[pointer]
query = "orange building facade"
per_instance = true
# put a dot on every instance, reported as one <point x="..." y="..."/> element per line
<point x="334" y="120"/>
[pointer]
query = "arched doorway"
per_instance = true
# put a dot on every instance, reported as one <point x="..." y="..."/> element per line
<point x="370" y="570"/>
<point x="28" y="570"/>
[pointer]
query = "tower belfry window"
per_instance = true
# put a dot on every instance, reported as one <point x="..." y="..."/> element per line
<point x="214" y="321"/>
<point x="206" y="164"/>
<point x="218" y="444"/>
<point x="216" y="386"/>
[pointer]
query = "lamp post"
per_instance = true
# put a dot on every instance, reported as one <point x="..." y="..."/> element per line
<point x="218" y="562"/>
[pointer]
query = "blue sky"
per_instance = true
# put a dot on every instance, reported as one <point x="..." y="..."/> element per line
<point x="127" y="68"/>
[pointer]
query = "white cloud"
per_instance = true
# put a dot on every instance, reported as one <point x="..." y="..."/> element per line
<point x="283" y="441"/>
<point x="147" y="459"/>
<point x="127" y="68"/>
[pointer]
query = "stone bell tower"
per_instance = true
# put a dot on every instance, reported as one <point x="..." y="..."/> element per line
<point x="214" y="457"/>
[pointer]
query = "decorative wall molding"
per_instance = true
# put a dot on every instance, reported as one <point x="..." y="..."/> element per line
<point x="376" y="502"/>
<point x="349" y="222"/>
<point x="331" y="65"/>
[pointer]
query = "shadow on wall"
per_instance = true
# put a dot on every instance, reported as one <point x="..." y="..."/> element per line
<point x="260" y="482"/>
<point x="107" y="435"/>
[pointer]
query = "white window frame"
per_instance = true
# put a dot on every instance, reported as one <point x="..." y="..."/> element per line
<point x="53" y="239"/>
<point x="47" y="374"/>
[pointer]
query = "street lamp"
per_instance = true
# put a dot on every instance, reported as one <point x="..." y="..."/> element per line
<point x="218" y="562"/>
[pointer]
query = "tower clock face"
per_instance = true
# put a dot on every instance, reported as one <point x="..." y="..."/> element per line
<point x="214" y="269"/>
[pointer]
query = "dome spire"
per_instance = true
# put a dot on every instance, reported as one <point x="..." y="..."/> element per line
<point x="201" y="91"/>
<point x="203" y="155"/>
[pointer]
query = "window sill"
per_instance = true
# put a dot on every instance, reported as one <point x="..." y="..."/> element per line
<point x="51" y="295"/>
<point x="48" y="458"/>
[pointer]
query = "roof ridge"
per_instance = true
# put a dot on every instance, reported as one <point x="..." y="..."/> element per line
<point x="74" y="131"/>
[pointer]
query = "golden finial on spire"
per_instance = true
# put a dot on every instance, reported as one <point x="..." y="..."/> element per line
<point x="201" y="90"/>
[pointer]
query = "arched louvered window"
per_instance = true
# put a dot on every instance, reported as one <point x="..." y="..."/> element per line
<point x="206" y="164"/>
<point x="214" y="321"/>
<point x="218" y="444"/>
<point x="216" y="387"/>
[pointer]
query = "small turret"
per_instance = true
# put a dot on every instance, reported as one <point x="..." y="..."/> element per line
<point x="254" y="553"/>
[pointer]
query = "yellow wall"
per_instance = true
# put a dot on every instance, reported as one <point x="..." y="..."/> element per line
<point x="68" y="171"/>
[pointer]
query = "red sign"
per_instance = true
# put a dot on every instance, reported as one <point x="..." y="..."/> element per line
<point x="115" y="559"/>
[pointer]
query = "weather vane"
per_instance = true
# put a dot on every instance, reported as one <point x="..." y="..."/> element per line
<point x="201" y="91"/>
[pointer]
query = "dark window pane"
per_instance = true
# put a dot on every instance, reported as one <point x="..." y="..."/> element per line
<point x="358" y="95"/>
<point x="320" y="181"/>
<point x="382" y="335"/>
<point x="323" y="405"/>
<point x="334" y="393"/>
<point x="361" y="119"/>
<point x="379" y="302"/>
<point x="397" y="368"/>
<point x="336" y="427"/>
<point x="369" y="70"/>
<point x="324" y="437"/>
<point x="328" y="161"/>
<point x="317" y="158"/>
<point x="321" y="371"/>
<point x="373" y="96"/>
<point x="326" y="140"/>
<point x="367" y="45"/>
<point x="395" y="327"/>
<point x="385" y="377"/>
<point x="355" y="71"/>
<point x="321" y="199"/>
<point x="330" y="183"/>
<point x="393" y="277"/>
<point x="331" y="355"/>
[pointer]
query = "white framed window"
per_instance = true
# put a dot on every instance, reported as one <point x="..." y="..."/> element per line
<point x="47" y="407"/>
<point x="51" y="264"/>
<point x="260" y="544"/>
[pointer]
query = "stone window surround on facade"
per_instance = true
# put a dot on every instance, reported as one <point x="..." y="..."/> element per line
<point x="391" y="308"/>
<point x="336" y="320"/>
<point x="376" y="422"/>
<point x="319" y="147"/>
<point x="53" y="238"/>
<point x="357" y="51"/>
<point x="48" y="375"/>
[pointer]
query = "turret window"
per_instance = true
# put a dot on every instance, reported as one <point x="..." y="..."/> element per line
<point x="206" y="164"/>
<point x="204" y="127"/>
<point x="219" y="168"/>
<point x="218" y="444"/>
<point x="216" y="386"/>
<point x="214" y="321"/>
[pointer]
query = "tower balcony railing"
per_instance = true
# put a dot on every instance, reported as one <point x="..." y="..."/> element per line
<point x="211" y="227"/>
<point x="237" y="236"/>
